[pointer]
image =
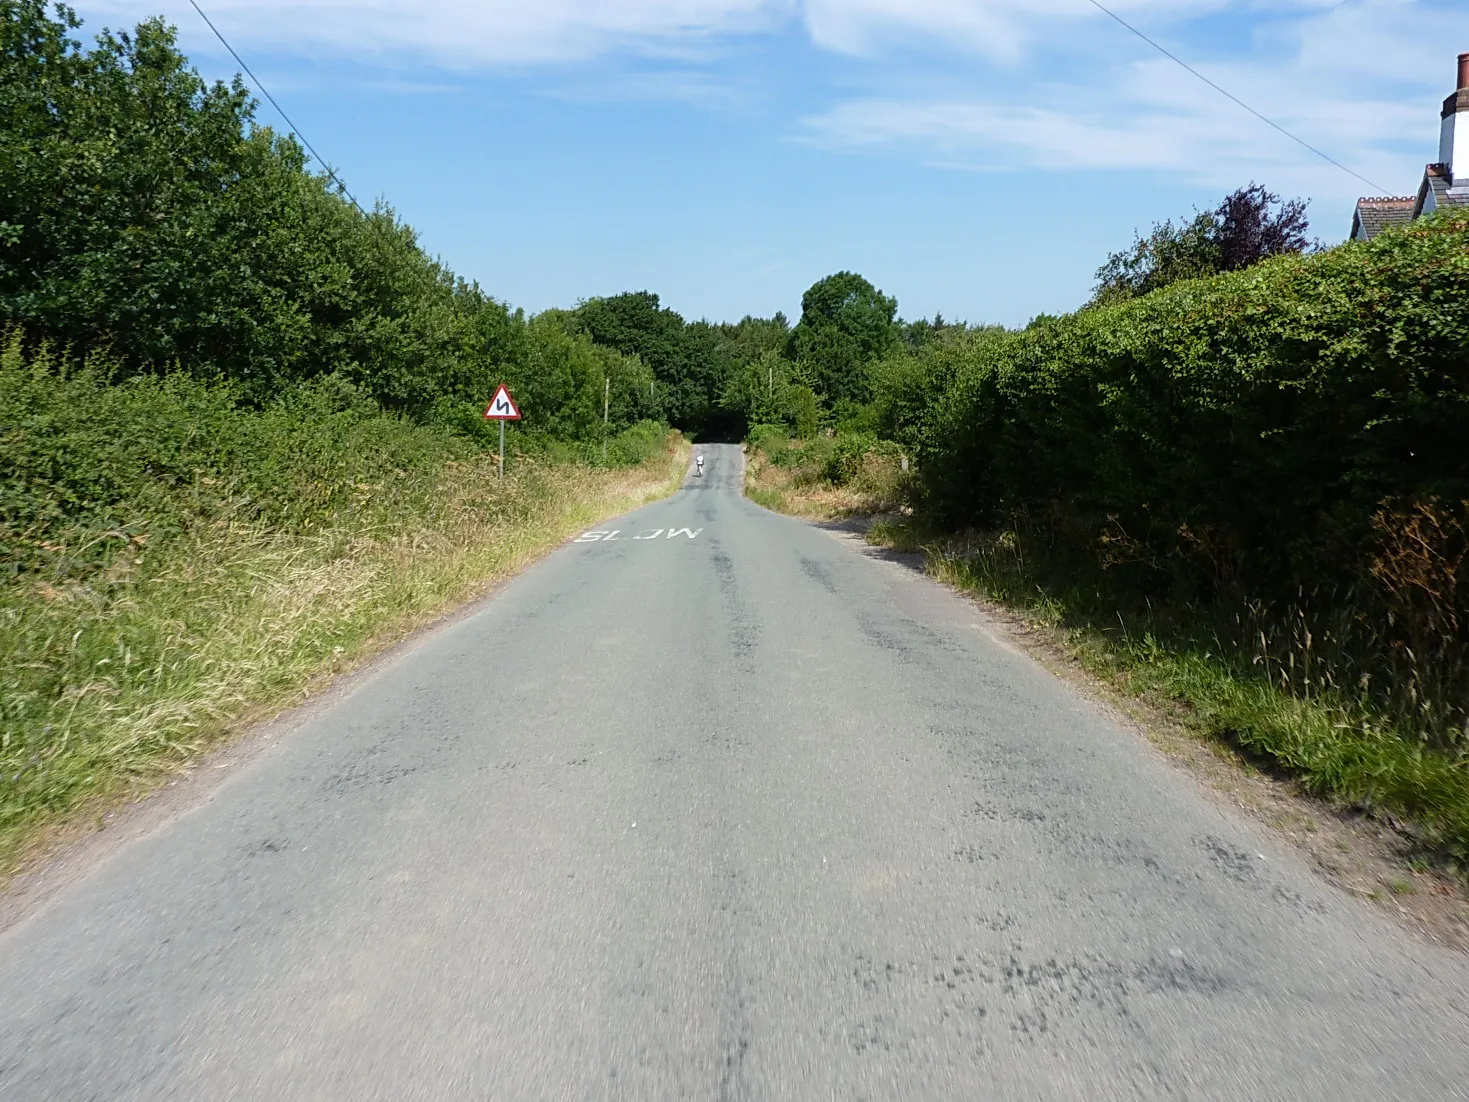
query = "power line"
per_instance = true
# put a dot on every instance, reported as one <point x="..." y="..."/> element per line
<point x="1095" y="3"/>
<point x="1232" y="97"/>
<point x="264" y="91"/>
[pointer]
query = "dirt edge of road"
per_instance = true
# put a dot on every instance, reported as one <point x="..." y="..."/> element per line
<point x="65" y="851"/>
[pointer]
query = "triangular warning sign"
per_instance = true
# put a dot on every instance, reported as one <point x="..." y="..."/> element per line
<point x="502" y="406"/>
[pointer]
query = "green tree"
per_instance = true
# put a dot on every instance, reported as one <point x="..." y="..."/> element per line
<point x="916" y="335"/>
<point x="752" y="337"/>
<point x="636" y="324"/>
<point x="145" y="212"/>
<point x="690" y="361"/>
<point x="755" y="391"/>
<point x="846" y="325"/>
<point x="1249" y="225"/>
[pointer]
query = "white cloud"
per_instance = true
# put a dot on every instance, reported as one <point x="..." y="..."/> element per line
<point x="1360" y="80"/>
<point x="490" y="32"/>
<point x="1000" y="29"/>
<point x="465" y="33"/>
<point x="1212" y="145"/>
<point x="1071" y="90"/>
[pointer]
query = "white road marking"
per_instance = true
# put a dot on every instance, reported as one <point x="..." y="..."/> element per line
<point x="614" y="534"/>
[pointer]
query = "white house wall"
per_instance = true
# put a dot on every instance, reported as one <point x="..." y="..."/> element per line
<point x="1453" y="144"/>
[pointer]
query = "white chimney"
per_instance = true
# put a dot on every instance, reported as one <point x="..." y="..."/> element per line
<point x="1453" y="141"/>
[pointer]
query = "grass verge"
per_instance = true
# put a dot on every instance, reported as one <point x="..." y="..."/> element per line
<point x="1334" y="747"/>
<point x="787" y="476"/>
<point x="118" y="677"/>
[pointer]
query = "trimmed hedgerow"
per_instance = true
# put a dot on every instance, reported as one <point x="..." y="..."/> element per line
<point x="1243" y="428"/>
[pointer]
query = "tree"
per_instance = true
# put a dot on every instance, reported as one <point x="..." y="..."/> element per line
<point x="146" y="212"/>
<point x="752" y="337"/>
<point x="846" y="325"/>
<point x="1249" y="230"/>
<point x="636" y="324"/>
<point x="691" y="361"/>
<point x="1250" y="225"/>
<point x="916" y="335"/>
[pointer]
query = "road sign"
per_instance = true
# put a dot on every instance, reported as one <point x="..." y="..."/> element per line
<point x="502" y="406"/>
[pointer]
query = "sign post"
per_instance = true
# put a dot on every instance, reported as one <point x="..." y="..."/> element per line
<point x="502" y="408"/>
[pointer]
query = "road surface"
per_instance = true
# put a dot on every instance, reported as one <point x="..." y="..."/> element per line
<point x="716" y="807"/>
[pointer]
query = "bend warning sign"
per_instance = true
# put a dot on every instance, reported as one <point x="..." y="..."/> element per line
<point x="502" y="406"/>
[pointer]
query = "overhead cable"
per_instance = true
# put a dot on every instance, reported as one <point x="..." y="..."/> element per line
<point x="264" y="91"/>
<point x="1233" y="98"/>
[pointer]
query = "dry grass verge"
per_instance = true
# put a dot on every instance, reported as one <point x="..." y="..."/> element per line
<point x="149" y="664"/>
<point x="796" y="488"/>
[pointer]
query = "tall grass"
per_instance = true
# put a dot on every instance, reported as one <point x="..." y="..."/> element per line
<point x="844" y="475"/>
<point x="175" y="562"/>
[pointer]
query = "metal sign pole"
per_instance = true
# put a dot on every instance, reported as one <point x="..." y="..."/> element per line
<point x="502" y="408"/>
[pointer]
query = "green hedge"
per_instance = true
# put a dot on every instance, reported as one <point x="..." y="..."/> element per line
<point x="1241" y="430"/>
<point x="88" y="465"/>
<point x="1273" y="461"/>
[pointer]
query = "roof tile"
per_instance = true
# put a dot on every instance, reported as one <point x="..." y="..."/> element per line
<point x="1376" y="215"/>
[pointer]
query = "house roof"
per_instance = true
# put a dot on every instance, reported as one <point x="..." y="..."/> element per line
<point x="1375" y="215"/>
<point x="1445" y="193"/>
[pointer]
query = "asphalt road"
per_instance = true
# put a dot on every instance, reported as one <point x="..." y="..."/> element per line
<point x="717" y="808"/>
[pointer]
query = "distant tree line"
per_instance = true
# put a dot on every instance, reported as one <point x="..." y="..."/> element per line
<point x="723" y="378"/>
<point x="148" y="213"/>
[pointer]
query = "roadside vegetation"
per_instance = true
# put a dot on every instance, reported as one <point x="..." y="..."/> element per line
<point x="177" y="563"/>
<point x="241" y="442"/>
<point x="1236" y="481"/>
<point x="825" y="477"/>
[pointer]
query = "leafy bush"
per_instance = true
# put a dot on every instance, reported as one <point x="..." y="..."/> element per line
<point x="1232" y="440"/>
<point x="849" y="451"/>
<point x="637" y="444"/>
<point x="89" y="468"/>
<point x="767" y="438"/>
<point x="172" y="556"/>
<point x="909" y="385"/>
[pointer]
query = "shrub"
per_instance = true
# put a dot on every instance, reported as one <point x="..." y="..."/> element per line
<point x="1232" y="440"/>
<point x="91" y="467"/>
<point x="637" y="444"/>
<point x="767" y="438"/>
<point x="848" y="453"/>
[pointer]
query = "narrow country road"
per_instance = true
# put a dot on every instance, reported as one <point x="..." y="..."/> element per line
<point x="715" y="807"/>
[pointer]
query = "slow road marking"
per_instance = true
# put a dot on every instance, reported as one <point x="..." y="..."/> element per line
<point x="646" y="534"/>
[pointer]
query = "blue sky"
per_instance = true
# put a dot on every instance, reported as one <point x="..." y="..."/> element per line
<point x="973" y="157"/>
